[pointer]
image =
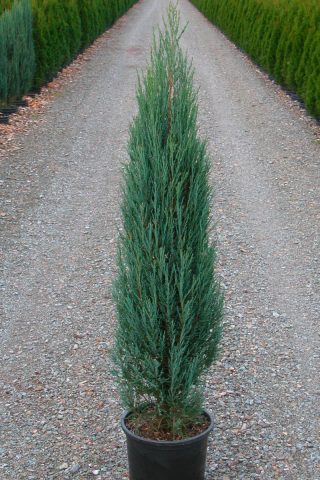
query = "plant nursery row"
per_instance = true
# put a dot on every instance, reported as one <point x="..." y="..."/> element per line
<point x="39" y="37"/>
<point x="281" y="36"/>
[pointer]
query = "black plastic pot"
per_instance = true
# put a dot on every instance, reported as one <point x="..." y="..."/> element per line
<point x="21" y="102"/>
<point x="9" y="110"/>
<point x="34" y="92"/>
<point x="4" y="119"/>
<point x="167" y="460"/>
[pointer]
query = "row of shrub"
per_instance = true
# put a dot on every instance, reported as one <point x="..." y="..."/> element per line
<point x="39" y="37"/>
<point x="282" y="36"/>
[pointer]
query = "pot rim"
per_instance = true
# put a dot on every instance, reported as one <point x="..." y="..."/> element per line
<point x="184" y="441"/>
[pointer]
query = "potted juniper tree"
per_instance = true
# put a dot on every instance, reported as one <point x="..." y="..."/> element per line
<point x="169" y="304"/>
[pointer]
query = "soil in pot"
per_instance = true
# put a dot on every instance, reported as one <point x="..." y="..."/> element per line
<point x="148" y="424"/>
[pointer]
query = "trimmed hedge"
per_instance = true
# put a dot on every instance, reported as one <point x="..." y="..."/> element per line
<point x="282" y="37"/>
<point x="93" y="19"/>
<point x="61" y="28"/>
<point x="57" y="36"/>
<point x="17" y="58"/>
<point x="97" y="15"/>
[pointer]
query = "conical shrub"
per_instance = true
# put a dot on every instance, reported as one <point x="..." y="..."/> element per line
<point x="168" y="302"/>
<point x="17" y="58"/>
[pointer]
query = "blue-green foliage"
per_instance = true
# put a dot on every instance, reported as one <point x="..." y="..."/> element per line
<point x="17" y="58"/>
<point x="168" y="302"/>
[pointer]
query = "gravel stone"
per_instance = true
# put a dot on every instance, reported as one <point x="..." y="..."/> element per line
<point x="60" y="217"/>
<point x="74" y="468"/>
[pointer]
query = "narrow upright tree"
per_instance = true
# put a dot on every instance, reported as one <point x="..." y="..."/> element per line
<point x="168" y="302"/>
<point x="17" y="58"/>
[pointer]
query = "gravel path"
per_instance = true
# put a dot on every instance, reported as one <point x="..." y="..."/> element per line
<point x="59" y="408"/>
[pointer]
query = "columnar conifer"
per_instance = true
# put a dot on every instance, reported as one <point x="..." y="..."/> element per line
<point x="17" y="60"/>
<point x="168" y="302"/>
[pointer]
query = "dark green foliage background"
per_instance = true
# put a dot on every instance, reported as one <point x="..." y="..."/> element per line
<point x="282" y="36"/>
<point x="168" y="302"/>
<point x="17" y="58"/>
<point x="61" y="28"/>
